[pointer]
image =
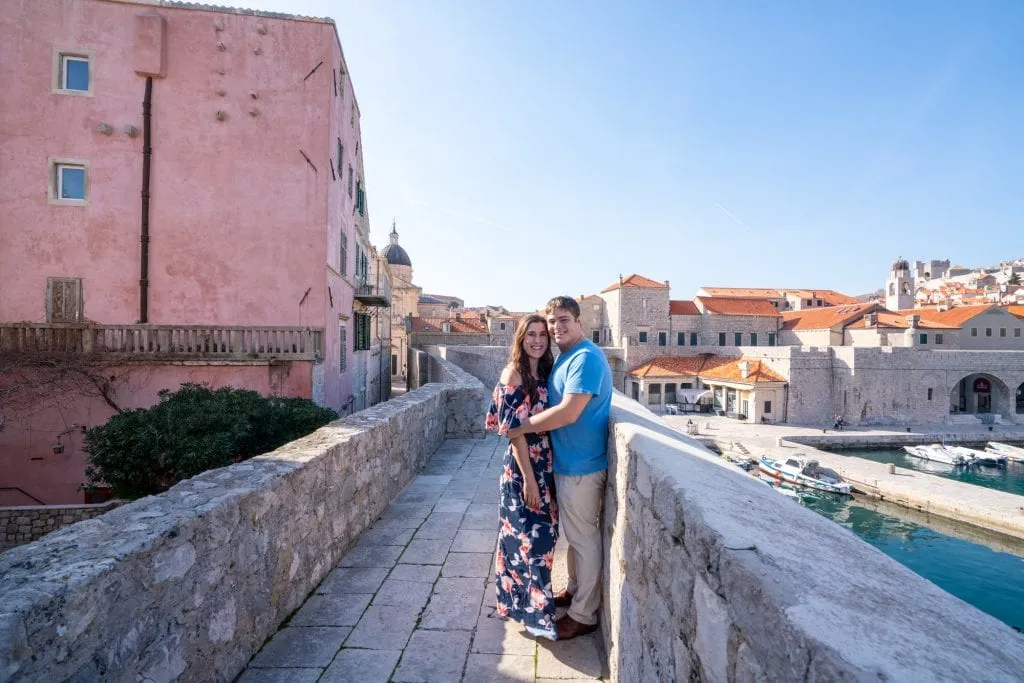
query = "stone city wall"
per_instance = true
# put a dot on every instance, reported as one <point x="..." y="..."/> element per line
<point x="712" y="576"/>
<point x="187" y="585"/>
<point x="27" y="523"/>
<point x="483" y="362"/>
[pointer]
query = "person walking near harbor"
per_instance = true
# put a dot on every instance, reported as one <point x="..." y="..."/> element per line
<point x="580" y="393"/>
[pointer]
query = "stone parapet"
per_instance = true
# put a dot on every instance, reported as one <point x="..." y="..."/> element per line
<point x="24" y="524"/>
<point x="710" y="575"/>
<point x="188" y="584"/>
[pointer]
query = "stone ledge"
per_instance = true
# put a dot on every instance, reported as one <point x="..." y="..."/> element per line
<point x="712" y="575"/>
<point x="188" y="584"/>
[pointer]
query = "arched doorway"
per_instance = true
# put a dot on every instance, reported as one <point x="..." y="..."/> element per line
<point x="980" y="394"/>
<point x="1020" y="399"/>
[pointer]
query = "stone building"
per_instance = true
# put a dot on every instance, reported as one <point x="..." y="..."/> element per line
<point x="145" y="224"/>
<point x="899" y="287"/>
<point x="405" y="298"/>
<point x="637" y="311"/>
<point x="439" y="305"/>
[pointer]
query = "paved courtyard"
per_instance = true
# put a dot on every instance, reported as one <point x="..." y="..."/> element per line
<point x="413" y="599"/>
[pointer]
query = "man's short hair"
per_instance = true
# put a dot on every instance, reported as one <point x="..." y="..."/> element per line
<point x="566" y="303"/>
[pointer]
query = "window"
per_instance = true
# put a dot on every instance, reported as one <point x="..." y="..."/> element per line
<point x="938" y="337"/>
<point x="693" y="339"/>
<point x="1002" y="331"/>
<point x="362" y="339"/>
<point x="686" y="385"/>
<point x="1016" y="332"/>
<point x="988" y="331"/>
<point x="753" y="338"/>
<point x="771" y="339"/>
<point x="738" y="338"/>
<point x="501" y="326"/>
<point x="974" y="331"/>
<point x="341" y="158"/>
<point x="64" y="300"/>
<point x="654" y="395"/>
<point x="596" y="336"/>
<point x="924" y="337"/>
<point x="767" y="408"/>
<point x="643" y="337"/>
<point x="343" y="345"/>
<point x="663" y="339"/>
<point x="929" y="394"/>
<point x="807" y="303"/>
<point x="360" y="198"/>
<point x="70" y="182"/>
<point x="350" y="174"/>
<point x="344" y="254"/>
<point x="681" y="339"/>
<point x="72" y="73"/>
<point x="670" y="393"/>
<point x="818" y="303"/>
<point x="721" y="338"/>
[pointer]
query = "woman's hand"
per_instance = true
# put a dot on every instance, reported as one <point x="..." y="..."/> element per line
<point x="531" y="493"/>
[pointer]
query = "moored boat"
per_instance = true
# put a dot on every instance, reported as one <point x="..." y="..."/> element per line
<point x="938" y="453"/>
<point x="1014" y="453"/>
<point x="809" y="474"/>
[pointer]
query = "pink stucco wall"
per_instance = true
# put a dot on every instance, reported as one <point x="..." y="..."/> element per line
<point x="243" y="230"/>
<point x="27" y="460"/>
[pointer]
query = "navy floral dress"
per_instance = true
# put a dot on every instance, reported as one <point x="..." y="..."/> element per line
<point x="526" y="541"/>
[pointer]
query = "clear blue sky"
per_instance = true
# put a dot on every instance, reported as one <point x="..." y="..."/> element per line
<point x="532" y="148"/>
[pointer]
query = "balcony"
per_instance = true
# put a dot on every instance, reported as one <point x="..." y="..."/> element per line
<point x="164" y="342"/>
<point x="373" y="294"/>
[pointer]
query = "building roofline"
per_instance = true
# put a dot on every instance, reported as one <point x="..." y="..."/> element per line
<point x="220" y="9"/>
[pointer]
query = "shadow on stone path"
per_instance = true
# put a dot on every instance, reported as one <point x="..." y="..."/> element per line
<point x="413" y="599"/>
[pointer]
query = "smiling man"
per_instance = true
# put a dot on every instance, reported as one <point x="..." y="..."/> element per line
<point x="580" y="395"/>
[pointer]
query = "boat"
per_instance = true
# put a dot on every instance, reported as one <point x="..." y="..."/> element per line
<point x="809" y="474"/>
<point x="1014" y="453"/>
<point x="975" y="458"/>
<point x="938" y="453"/>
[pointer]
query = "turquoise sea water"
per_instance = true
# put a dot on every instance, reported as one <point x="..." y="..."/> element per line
<point x="1009" y="479"/>
<point x="990" y="579"/>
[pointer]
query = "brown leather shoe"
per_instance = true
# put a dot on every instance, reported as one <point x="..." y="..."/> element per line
<point x="563" y="599"/>
<point x="569" y="628"/>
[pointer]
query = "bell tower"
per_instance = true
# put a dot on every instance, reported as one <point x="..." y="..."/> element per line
<point x="899" y="288"/>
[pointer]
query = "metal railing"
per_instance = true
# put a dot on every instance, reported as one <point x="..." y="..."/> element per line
<point x="164" y="341"/>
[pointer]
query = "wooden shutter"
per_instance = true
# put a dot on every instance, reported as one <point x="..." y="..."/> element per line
<point x="64" y="300"/>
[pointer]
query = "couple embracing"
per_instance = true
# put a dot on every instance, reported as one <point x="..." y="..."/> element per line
<point x="555" y="415"/>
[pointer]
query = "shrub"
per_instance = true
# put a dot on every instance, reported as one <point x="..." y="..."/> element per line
<point x="145" y="451"/>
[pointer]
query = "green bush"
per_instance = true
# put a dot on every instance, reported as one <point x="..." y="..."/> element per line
<point x="191" y="430"/>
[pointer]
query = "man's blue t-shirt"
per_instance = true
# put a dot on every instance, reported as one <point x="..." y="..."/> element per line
<point x="582" y="447"/>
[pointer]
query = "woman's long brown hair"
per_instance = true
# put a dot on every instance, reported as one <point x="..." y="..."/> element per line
<point x="521" y="362"/>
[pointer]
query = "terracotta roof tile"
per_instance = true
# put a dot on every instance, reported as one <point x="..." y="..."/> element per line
<point x="682" y="307"/>
<point x="675" y="366"/>
<point x="636" y="281"/>
<point x="825" y="318"/>
<point x="757" y="372"/>
<point x="722" y="305"/>
<point x="898" y="321"/>
<point x="743" y="292"/>
<point x="1016" y="310"/>
<point x="953" y="318"/>
<point x="458" y="326"/>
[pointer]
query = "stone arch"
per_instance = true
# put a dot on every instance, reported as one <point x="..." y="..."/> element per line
<point x="981" y="393"/>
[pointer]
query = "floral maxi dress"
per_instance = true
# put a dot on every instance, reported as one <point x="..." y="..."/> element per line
<point x="526" y="541"/>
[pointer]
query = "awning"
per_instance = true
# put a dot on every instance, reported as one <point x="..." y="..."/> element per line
<point x="692" y="395"/>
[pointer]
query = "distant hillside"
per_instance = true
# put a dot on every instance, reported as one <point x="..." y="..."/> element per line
<point x="877" y="294"/>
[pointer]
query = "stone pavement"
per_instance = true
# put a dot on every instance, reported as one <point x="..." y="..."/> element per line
<point x="413" y="600"/>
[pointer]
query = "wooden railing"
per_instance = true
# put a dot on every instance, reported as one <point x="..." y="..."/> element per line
<point x="164" y="341"/>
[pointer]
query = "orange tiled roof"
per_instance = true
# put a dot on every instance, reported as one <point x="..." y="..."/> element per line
<point x="953" y="318"/>
<point x="722" y="305"/>
<point x="636" y="281"/>
<point x="743" y="292"/>
<point x="1016" y="310"/>
<point x="682" y="307"/>
<point x="675" y="366"/>
<point x="825" y="318"/>
<point x="458" y="325"/>
<point x="898" y="321"/>
<point x="834" y="298"/>
<point x="757" y="373"/>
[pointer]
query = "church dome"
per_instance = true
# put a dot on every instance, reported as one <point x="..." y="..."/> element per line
<point x="394" y="253"/>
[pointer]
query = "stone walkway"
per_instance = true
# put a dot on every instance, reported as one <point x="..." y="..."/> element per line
<point x="413" y="600"/>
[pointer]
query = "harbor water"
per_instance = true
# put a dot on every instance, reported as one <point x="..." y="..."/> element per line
<point x="1009" y="478"/>
<point x="981" y="568"/>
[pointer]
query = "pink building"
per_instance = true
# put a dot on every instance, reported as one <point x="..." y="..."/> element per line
<point x="180" y="191"/>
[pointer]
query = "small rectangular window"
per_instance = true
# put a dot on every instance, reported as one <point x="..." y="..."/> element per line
<point x="350" y="175"/>
<point x="988" y="331"/>
<point x="767" y="407"/>
<point x="70" y="181"/>
<point x="924" y="337"/>
<point x="771" y="339"/>
<point x="929" y="394"/>
<point x="1002" y="331"/>
<point x="686" y="385"/>
<point x="663" y="339"/>
<point x="596" y="336"/>
<point x="693" y="339"/>
<point x="643" y="337"/>
<point x="501" y="326"/>
<point x="681" y="339"/>
<point x="974" y="331"/>
<point x="341" y="158"/>
<point x="753" y="338"/>
<point x="343" y="344"/>
<point x="721" y="338"/>
<point x="74" y="73"/>
<point x="1016" y="332"/>
<point x="344" y="254"/>
<point x="738" y="338"/>
<point x="938" y="337"/>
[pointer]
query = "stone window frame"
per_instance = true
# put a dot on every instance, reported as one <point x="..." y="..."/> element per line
<point x="641" y="336"/>
<point x="60" y="54"/>
<point x="53" y="165"/>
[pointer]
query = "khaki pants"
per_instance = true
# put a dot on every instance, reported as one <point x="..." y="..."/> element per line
<point x="579" y="515"/>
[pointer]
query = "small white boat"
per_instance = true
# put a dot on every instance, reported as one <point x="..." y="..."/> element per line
<point x="1014" y="453"/>
<point x="978" y="458"/>
<point x="809" y="474"/>
<point x="938" y="453"/>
